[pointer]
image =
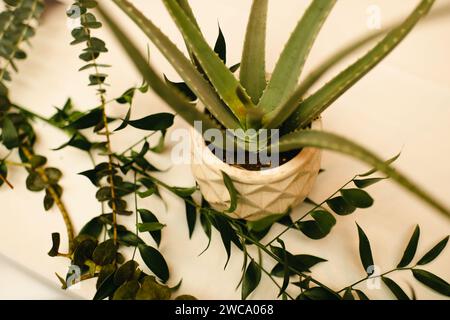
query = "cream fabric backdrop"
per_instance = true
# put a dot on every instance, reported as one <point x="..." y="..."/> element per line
<point x="402" y="105"/>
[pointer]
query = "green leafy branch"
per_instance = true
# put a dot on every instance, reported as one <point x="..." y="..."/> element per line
<point x="16" y="27"/>
<point x="94" y="48"/>
<point x="425" y="277"/>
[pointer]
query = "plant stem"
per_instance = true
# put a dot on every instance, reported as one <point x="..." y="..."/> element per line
<point x="273" y="256"/>
<point x="17" y="164"/>
<point x="107" y="135"/>
<point x="136" y="214"/>
<point x="62" y="208"/>
<point x="34" y="115"/>
<point x="137" y="143"/>
<point x="2" y="178"/>
<point x="373" y="277"/>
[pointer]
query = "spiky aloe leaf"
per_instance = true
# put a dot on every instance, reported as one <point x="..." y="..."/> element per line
<point x="292" y="60"/>
<point x="184" y="4"/>
<point x="253" y="63"/>
<point x="318" y="102"/>
<point x="223" y="80"/>
<point x="171" y="96"/>
<point x="345" y="51"/>
<point x="182" y="65"/>
<point x="324" y="140"/>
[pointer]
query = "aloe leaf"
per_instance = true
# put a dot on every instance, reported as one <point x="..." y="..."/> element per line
<point x="253" y="70"/>
<point x="184" y="4"/>
<point x="292" y="60"/>
<point x="223" y="80"/>
<point x="182" y="65"/>
<point x="312" y="78"/>
<point x="325" y="140"/>
<point x="171" y="96"/>
<point x="319" y="101"/>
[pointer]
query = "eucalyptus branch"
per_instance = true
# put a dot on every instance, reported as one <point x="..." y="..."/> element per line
<point x="24" y="24"/>
<point x="56" y="198"/>
<point x="94" y="47"/>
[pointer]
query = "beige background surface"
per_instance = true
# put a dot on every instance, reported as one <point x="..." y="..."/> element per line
<point x="402" y="105"/>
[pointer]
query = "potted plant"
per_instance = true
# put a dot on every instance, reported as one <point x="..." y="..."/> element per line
<point x="252" y="102"/>
<point x="257" y="141"/>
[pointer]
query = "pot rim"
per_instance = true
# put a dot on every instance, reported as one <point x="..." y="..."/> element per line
<point x="252" y="177"/>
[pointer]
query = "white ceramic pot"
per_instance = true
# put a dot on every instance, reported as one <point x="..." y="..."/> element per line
<point x="262" y="193"/>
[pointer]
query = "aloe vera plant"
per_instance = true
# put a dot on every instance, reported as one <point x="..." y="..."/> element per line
<point x="254" y="102"/>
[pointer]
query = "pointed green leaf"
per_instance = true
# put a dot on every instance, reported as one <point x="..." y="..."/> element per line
<point x="183" y="88"/>
<point x="411" y="249"/>
<point x="361" y="295"/>
<point x="365" y="252"/>
<point x="395" y="289"/>
<point x="432" y="281"/>
<point x="183" y="192"/>
<point x="125" y="272"/>
<point x="389" y="161"/>
<point x="252" y="277"/>
<point x="106" y="288"/>
<point x="320" y="227"/>
<point x="221" y="47"/>
<point x="286" y="271"/>
<point x="154" y="261"/>
<point x="340" y="206"/>
<point x="88" y="120"/>
<point x="318" y="293"/>
<point x="149" y="217"/>
<point x="105" y="253"/>
<point x="155" y="122"/>
<point x="227" y="234"/>
<point x="10" y="137"/>
<point x="126" y="237"/>
<point x="348" y="295"/>
<point x="206" y="226"/>
<point x="150" y="226"/>
<point x="434" y="252"/>
<point x="93" y="228"/>
<point x="324" y="140"/>
<point x="299" y="262"/>
<point x="287" y="72"/>
<point x="232" y="191"/>
<point x="357" y="198"/>
<point x="364" y="183"/>
<point x="253" y="63"/>
<point x="191" y="216"/>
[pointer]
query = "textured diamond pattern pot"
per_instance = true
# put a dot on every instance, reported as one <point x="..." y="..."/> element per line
<point x="263" y="192"/>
